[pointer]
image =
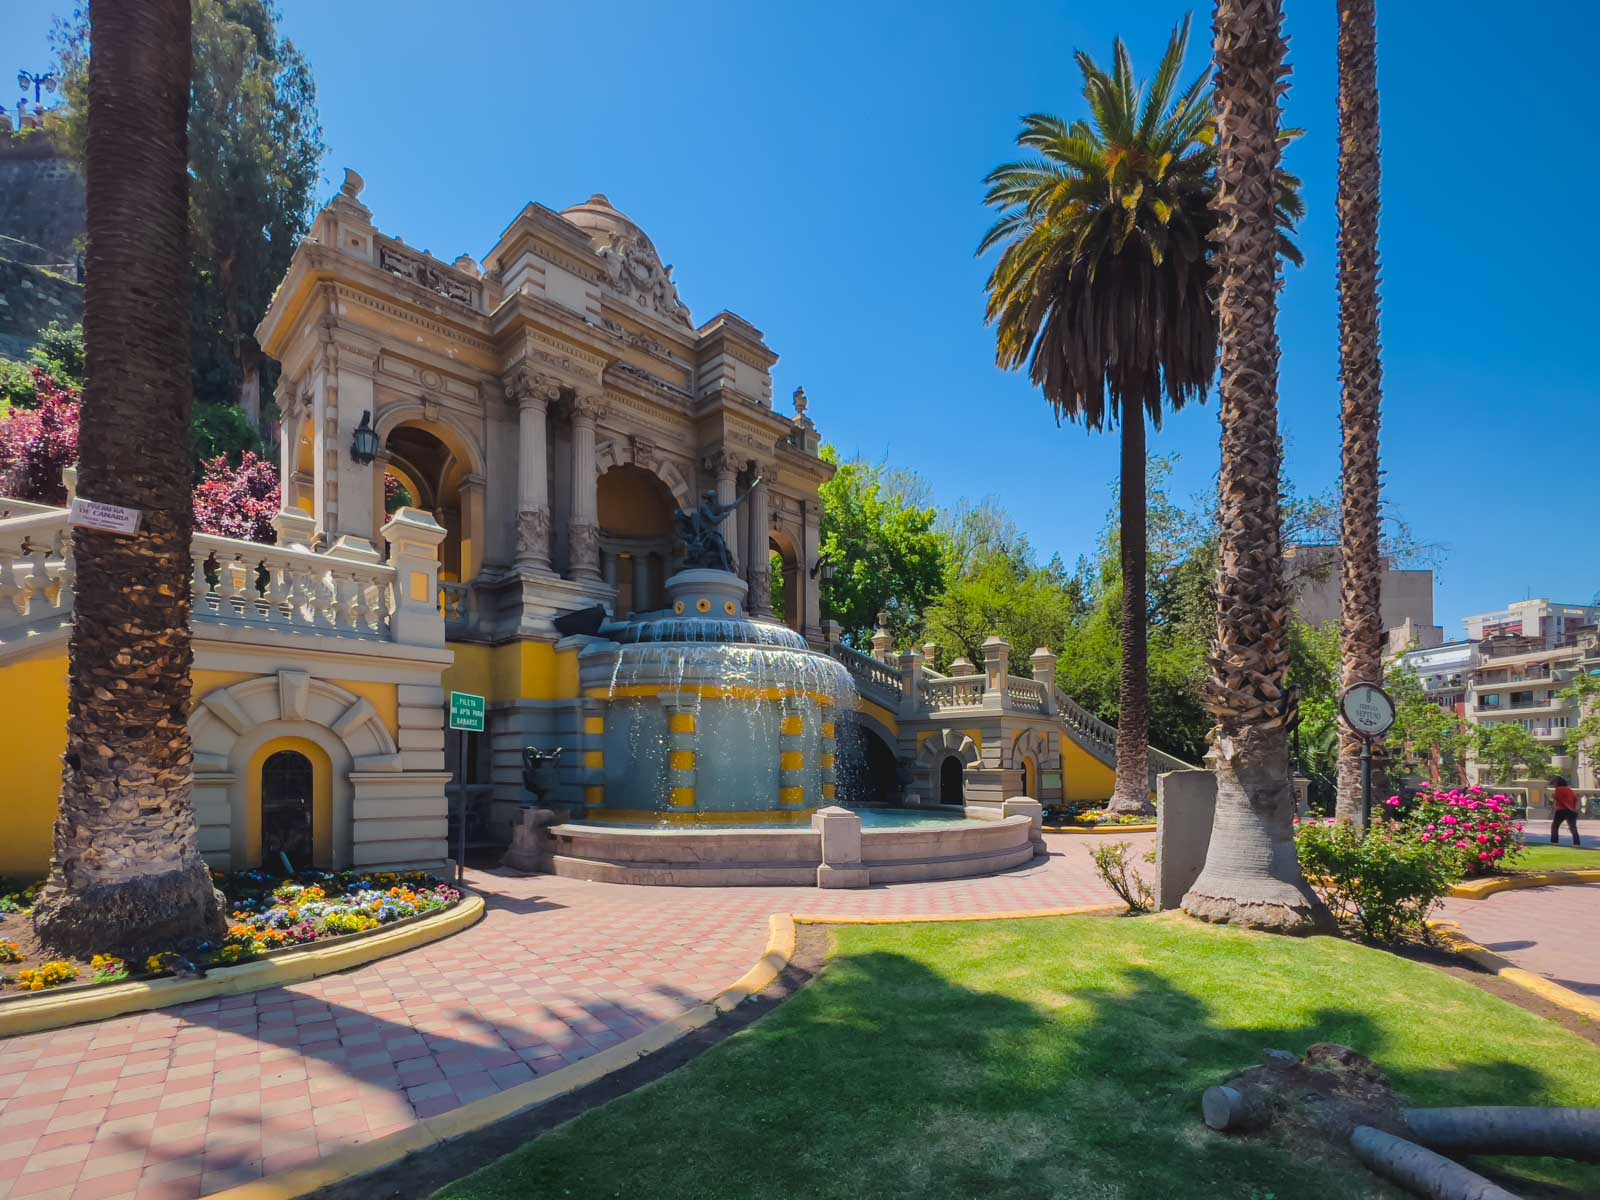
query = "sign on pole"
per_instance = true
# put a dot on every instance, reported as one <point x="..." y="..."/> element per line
<point x="108" y="518"/>
<point x="1367" y="709"/>
<point x="466" y="712"/>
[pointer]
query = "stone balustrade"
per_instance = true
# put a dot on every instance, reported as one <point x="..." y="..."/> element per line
<point x="283" y="587"/>
<point x="1027" y="695"/>
<point x="867" y="670"/>
<point x="36" y="572"/>
<point x="960" y="691"/>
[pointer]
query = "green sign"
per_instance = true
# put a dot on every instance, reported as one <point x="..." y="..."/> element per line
<point x="466" y="712"/>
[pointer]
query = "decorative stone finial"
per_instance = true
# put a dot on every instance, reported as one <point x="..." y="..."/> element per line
<point x="800" y="402"/>
<point x="353" y="183"/>
<point x="466" y="263"/>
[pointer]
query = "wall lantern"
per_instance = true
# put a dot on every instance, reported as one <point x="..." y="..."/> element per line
<point x="364" y="441"/>
<point x="823" y="567"/>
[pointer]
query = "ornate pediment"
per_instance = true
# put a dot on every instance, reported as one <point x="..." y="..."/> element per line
<point x="634" y="271"/>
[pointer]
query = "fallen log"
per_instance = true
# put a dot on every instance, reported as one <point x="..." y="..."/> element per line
<point x="1420" y="1171"/>
<point x="1508" y="1129"/>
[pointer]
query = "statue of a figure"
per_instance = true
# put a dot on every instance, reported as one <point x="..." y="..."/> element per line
<point x="704" y="545"/>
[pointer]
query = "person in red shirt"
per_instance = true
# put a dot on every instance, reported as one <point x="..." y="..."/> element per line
<point x="1566" y="805"/>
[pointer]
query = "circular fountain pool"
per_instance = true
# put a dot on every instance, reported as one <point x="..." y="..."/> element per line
<point x="711" y="756"/>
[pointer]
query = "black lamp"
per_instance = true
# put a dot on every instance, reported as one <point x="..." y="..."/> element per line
<point x="364" y="441"/>
<point x="824" y="567"/>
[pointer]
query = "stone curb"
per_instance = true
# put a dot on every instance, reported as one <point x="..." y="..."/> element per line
<point x="1562" y="997"/>
<point x="782" y="932"/>
<point x="1099" y="830"/>
<point x="117" y="999"/>
<point x="1482" y="889"/>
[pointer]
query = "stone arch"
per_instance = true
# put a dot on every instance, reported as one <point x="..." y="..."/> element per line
<point x="230" y="724"/>
<point x="1035" y="744"/>
<point x="612" y="453"/>
<point x="944" y="743"/>
<point x="439" y="421"/>
<point x="787" y="547"/>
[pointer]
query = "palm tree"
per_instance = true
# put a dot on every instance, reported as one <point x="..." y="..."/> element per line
<point x="1251" y="874"/>
<point x="126" y="873"/>
<point x="1104" y="291"/>
<point x="1361" y="370"/>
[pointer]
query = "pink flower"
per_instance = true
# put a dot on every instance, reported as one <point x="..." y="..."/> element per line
<point x="1427" y="837"/>
<point x="1393" y="802"/>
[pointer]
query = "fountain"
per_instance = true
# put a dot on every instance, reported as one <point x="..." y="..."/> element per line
<point x="718" y="751"/>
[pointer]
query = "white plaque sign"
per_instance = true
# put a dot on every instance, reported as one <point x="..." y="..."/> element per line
<point x="110" y="518"/>
<point x="1367" y="709"/>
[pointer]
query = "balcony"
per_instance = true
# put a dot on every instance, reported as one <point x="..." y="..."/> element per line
<point x="1558" y="704"/>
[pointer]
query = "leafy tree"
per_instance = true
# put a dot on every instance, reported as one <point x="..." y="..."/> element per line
<point x="1509" y="752"/>
<point x="1026" y="605"/>
<point x="58" y="353"/>
<point x="1426" y="739"/>
<point x="1583" y="742"/>
<point x="221" y="430"/>
<point x="38" y="441"/>
<point x="882" y="541"/>
<point x="1104" y="292"/>
<point x="126" y="874"/>
<point x="255" y="158"/>
<point x="238" y="501"/>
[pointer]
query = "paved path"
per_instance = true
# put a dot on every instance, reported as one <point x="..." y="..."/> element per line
<point x="1551" y="931"/>
<point x="191" y="1100"/>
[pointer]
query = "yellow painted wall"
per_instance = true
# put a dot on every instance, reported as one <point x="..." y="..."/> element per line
<point x="33" y="713"/>
<point x="321" y="798"/>
<point x="383" y="697"/>
<point x="1084" y="777"/>
<point x="889" y="719"/>
<point x="519" y="671"/>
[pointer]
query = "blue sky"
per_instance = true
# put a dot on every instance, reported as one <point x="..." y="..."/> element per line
<point x="817" y="169"/>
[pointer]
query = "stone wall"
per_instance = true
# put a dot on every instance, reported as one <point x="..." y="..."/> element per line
<point x="1186" y="801"/>
<point x="30" y="299"/>
<point x="41" y="222"/>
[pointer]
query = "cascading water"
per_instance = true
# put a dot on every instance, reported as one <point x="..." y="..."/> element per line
<point x="710" y="717"/>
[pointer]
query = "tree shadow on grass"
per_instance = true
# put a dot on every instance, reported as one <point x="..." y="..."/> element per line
<point x="1046" y="1079"/>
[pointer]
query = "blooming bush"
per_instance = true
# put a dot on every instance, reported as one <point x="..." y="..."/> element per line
<point x="10" y="952"/>
<point x="1479" y="830"/>
<point x="1383" y="880"/>
<point x="36" y="443"/>
<point x="237" y="502"/>
<point x="108" y="968"/>
<point x="52" y="974"/>
<point x="271" y="912"/>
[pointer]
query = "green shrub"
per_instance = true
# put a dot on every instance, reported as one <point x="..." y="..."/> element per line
<point x="1115" y="868"/>
<point x="1383" y="881"/>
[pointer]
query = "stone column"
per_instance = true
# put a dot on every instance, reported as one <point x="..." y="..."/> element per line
<point x="295" y="526"/>
<point x="413" y="539"/>
<point x="760" y="574"/>
<point x="533" y="394"/>
<point x="583" y="531"/>
<point x="1044" y="672"/>
<point x="811" y="586"/>
<point x="996" y="667"/>
<point x="341" y="394"/>
<point x="883" y="640"/>
<point x="724" y="466"/>
<point x="474" y="526"/>
<point x="910" y="683"/>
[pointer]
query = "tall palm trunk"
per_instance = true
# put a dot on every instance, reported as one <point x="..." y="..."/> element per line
<point x="126" y="873"/>
<point x="1251" y="875"/>
<point x="1361" y="370"/>
<point x="1132" y="793"/>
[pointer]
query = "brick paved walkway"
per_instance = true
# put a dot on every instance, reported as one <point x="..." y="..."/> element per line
<point x="194" y="1099"/>
<point x="1551" y="931"/>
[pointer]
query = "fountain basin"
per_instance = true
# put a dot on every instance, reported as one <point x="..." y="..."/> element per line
<point x="930" y="846"/>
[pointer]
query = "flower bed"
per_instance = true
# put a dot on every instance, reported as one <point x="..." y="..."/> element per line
<point x="268" y="913"/>
<point x="1087" y="816"/>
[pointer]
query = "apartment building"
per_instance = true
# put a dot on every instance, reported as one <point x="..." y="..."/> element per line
<point x="1523" y="658"/>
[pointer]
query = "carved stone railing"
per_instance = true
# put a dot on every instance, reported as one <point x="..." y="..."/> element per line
<point x="1027" y="695"/>
<point x="960" y="691"/>
<point x="247" y="583"/>
<point x="36" y="573"/>
<point x="1091" y="730"/>
<point x="455" y="605"/>
<point x="429" y="273"/>
<point x="869" y="673"/>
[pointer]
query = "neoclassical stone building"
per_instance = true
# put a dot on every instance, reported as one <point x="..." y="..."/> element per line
<point x="551" y="407"/>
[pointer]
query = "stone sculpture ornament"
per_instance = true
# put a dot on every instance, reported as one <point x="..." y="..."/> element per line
<point x="701" y="531"/>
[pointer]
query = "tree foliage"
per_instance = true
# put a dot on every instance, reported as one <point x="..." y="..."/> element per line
<point x="255" y="158"/>
<point x="1510" y="752"/>
<point x="237" y="501"/>
<point x="886" y="553"/>
<point x="37" y="442"/>
<point x="1583" y="742"/>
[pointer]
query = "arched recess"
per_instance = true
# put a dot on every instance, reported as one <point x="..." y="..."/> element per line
<point x="934" y="755"/>
<point x="635" y="508"/>
<point x="610" y="454"/>
<point x="442" y="466"/>
<point x="1034" y="752"/>
<point x="231" y="726"/>
<point x="788" y="579"/>
<point x="869" y="769"/>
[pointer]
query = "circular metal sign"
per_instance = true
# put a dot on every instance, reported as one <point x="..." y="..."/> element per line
<point x="1367" y="709"/>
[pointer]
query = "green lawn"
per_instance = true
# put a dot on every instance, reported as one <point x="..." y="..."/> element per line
<point x="1542" y="856"/>
<point x="1046" y="1058"/>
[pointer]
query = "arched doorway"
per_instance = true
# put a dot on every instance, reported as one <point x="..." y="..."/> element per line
<point x="951" y="773"/>
<point x="429" y="462"/>
<point x="635" y="510"/>
<point x="288" y="786"/>
<point x="1030" y="777"/>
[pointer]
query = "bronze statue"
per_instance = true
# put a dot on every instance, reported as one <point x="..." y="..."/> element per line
<point x="701" y="531"/>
